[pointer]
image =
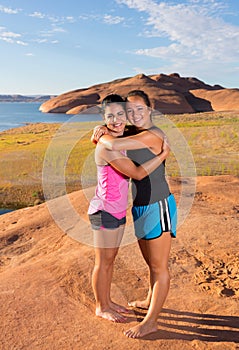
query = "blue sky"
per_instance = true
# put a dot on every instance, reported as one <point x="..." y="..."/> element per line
<point x="51" y="47"/>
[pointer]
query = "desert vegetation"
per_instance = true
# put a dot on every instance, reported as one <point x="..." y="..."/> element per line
<point x="212" y="137"/>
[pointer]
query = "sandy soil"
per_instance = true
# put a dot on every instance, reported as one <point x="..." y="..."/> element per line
<point x="46" y="300"/>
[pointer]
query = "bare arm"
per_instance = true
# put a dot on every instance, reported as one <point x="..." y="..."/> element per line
<point x="147" y="138"/>
<point x="127" y="167"/>
<point x="98" y="131"/>
<point x="152" y="139"/>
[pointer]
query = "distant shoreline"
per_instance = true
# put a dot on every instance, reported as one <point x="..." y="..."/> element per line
<point x="25" y="98"/>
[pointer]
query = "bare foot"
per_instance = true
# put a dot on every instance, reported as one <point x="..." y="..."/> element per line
<point x="144" y="304"/>
<point x="118" y="308"/>
<point x="110" y="315"/>
<point x="141" y="330"/>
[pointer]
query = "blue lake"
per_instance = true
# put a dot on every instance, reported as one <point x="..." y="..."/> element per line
<point x="4" y="211"/>
<point x="16" y="114"/>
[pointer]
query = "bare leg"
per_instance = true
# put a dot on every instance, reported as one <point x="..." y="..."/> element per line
<point x="106" y="249"/>
<point x="113" y="305"/>
<point x="143" y="304"/>
<point x="158" y="250"/>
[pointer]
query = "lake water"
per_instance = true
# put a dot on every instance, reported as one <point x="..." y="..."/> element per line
<point x="4" y="211"/>
<point x="13" y="115"/>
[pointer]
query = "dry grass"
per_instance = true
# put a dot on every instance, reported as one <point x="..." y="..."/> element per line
<point x="213" y="139"/>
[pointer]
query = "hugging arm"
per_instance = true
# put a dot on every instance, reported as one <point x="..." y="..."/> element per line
<point x="127" y="167"/>
<point x="153" y="139"/>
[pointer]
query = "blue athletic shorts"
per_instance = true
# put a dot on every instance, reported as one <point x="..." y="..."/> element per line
<point x="102" y="219"/>
<point x="150" y="221"/>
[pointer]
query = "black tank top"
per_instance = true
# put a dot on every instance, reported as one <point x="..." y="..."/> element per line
<point x="152" y="188"/>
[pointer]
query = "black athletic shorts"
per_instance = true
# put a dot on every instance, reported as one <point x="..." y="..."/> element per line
<point x="101" y="220"/>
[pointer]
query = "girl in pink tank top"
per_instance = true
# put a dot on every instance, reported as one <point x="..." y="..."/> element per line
<point x="107" y="210"/>
<point x="154" y="243"/>
<point x="111" y="193"/>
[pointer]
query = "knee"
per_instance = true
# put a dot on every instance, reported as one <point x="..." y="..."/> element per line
<point x="161" y="272"/>
<point x="105" y="263"/>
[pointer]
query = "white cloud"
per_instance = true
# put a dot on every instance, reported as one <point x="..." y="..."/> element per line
<point x="29" y="54"/>
<point x="52" y="18"/>
<point x="45" y="41"/>
<point x="141" y="5"/>
<point x="50" y="33"/>
<point x="19" y="42"/>
<point x="37" y="14"/>
<point x="7" y="40"/>
<point x="193" y="30"/>
<point x="58" y="29"/>
<point x="11" y="41"/>
<point x="40" y="41"/>
<point x="45" y="34"/>
<point x="8" y="10"/>
<point x="61" y="20"/>
<point x="11" y="37"/>
<point x="87" y="17"/>
<point x="70" y="19"/>
<point x="109" y="19"/>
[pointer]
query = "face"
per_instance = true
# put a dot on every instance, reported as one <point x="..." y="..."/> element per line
<point x="138" y="112"/>
<point x="115" y="118"/>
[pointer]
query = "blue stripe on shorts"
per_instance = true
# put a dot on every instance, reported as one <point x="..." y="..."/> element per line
<point x="150" y="221"/>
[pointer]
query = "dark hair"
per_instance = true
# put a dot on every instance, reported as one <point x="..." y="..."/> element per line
<point x="112" y="98"/>
<point x="141" y="94"/>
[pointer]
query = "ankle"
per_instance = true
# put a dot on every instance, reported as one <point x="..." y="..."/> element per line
<point x="150" y="322"/>
<point x="102" y="307"/>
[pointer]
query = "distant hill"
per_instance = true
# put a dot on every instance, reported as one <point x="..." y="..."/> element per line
<point x="21" y="98"/>
<point x="169" y="94"/>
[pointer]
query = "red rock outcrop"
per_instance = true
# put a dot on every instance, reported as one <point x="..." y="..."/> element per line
<point x="221" y="100"/>
<point x="46" y="297"/>
<point x="168" y="94"/>
<point x="88" y="109"/>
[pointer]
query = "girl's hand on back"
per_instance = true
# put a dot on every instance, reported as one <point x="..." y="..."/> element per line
<point x="99" y="131"/>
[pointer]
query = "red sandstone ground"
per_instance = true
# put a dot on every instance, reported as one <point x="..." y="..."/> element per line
<point x="46" y="300"/>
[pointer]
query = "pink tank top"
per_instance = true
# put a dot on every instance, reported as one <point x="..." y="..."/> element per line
<point x="111" y="193"/>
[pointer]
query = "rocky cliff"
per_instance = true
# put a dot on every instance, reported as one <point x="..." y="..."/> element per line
<point x="168" y="94"/>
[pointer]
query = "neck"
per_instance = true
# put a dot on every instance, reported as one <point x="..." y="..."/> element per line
<point x="145" y="126"/>
<point x="115" y="133"/>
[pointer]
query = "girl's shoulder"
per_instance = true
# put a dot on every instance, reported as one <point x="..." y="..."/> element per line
<point x="156" y="129"/>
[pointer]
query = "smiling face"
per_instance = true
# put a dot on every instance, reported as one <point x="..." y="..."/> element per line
<point x="138" y="113"/>
<point x="115" y="118"/>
